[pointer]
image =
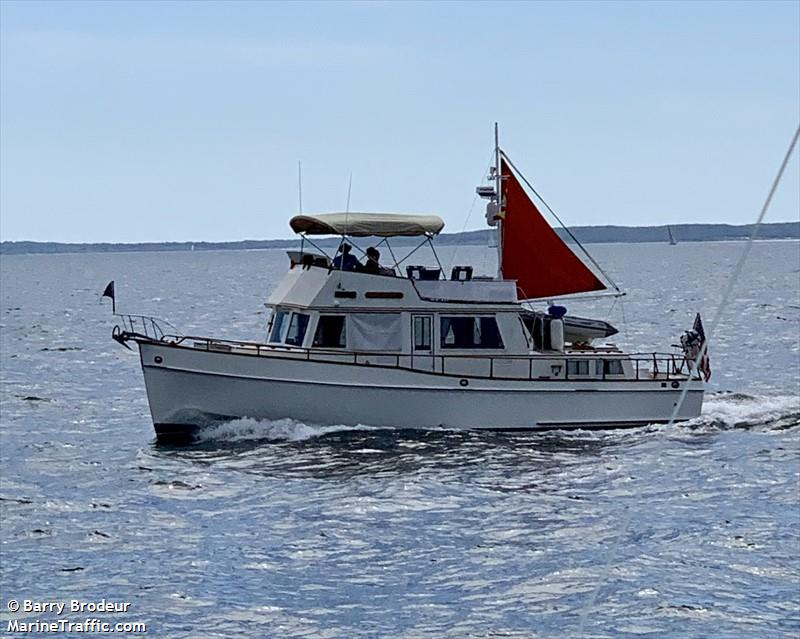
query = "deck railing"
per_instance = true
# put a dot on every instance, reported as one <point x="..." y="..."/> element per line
<point x="645" y="366"/>
<point x="150" y="327"/>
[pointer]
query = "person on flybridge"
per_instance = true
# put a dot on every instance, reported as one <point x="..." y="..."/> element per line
<point x="373" y="266"/>
<point x="345" y="260"/>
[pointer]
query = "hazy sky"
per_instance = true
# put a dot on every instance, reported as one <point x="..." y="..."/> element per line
<point x="185" y="121"/>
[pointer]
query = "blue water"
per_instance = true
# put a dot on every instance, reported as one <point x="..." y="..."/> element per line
<point x="285" y="529"/>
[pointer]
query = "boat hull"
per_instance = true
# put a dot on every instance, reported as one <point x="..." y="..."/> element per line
<point x="188" y="389"/>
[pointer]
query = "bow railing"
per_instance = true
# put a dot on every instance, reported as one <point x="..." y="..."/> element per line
<point x="143" y="326"/>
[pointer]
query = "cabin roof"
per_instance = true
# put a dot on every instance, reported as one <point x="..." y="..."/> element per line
<point x="367" y="224"/>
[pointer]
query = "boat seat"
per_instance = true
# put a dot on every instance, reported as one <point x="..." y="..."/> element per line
<point x="423" y="273"/>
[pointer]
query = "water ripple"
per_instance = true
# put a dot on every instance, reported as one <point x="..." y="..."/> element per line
<point x="287" y="529"/>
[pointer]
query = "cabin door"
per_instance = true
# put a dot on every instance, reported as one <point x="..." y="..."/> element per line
<point x="422" y="342"/>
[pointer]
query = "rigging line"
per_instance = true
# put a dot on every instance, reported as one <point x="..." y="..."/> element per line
<point x="300" y="187"/>
<point x="737" y="270"/>
<point x="564" y="226"/>
<point x="624" y="322"/>
<point x="611" y="310"/>
<point x="349" y="189"/>
<point x="344" y="235"/>
<point x="469" y="214"/>
<point x="461" y="234"/>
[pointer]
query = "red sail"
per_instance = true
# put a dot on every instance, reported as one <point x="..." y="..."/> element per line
<point x="533" y="254"/>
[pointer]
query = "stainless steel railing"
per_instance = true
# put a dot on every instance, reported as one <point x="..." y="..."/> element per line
<point x="143" y="325"/>
<point x="643" y="366"/>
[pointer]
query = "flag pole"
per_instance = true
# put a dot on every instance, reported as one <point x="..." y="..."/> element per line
<point x="109" y="292"/>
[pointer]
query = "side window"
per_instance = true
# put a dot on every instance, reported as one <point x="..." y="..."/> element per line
<point x="487" y="335"/>
<point x="297" y="329"/>
<point x="331" y="332"/>
<point x="578" y="367"/>
<point x="613" y="367"/>
<point x="422" y="333"/>
<point x="470" y="332"/>
<point x="278" y="324"/>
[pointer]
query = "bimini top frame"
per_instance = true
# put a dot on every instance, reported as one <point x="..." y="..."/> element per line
<point x="383" y="225"/>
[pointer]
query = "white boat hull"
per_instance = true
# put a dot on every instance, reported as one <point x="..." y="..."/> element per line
<point x="187" y="388"/>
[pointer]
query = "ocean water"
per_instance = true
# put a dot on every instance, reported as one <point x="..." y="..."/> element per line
<point x="286" y="529"/>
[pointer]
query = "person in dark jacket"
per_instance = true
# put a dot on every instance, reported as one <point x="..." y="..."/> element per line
<point x="345" y="260"/>
<point x="372" y="265"/>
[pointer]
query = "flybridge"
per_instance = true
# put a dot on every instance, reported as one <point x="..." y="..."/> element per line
<point x="530" y="251"/>
<point x="319" y="287"/>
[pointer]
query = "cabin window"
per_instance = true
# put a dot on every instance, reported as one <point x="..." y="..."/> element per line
<point x="613" y="367"/>
<point x="539" y="329"/>
<point x="422" y="333"/>
<point x="331" y="332"/>
<point x="278" y="326"/>
<point x="470" y="332"/>
<point x="297" y="329"/>
<point x="578" y="366"/>
<point x="374" y="331"/>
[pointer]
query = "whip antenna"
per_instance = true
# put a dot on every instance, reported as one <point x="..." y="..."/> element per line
<point x="300" y="187"/>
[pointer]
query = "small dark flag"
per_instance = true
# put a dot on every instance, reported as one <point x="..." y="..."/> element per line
<point x="705" y="362"/>
<point x="109" y="292"/>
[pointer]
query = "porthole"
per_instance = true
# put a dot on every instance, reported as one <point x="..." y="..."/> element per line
<point x="158" y="359"/>
<point x="463" y="382"/>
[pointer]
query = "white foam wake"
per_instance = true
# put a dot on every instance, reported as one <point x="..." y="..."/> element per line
<point x="248" y="429"/>
<point x="720" y="411"/>
<point x="738" y="410"/>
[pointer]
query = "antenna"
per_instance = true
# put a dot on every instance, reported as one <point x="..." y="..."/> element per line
<point x="300" y="187"/>
<point x="346" y="215"/>
<point x="498" y="185"/>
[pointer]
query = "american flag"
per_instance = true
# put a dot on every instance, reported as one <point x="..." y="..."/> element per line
<point x="705" y="362"/>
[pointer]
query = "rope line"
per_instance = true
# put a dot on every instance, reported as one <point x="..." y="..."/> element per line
<point x="460" y="238"/>
<point x="712" y="328"/>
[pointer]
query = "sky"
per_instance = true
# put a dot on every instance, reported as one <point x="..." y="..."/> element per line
<point x="185" y="121"/>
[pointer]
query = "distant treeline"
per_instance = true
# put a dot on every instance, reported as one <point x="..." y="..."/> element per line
<point x="584" y="234"/>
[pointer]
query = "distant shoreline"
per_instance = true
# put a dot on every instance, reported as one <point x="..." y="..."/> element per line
<point x="584" y="234"/>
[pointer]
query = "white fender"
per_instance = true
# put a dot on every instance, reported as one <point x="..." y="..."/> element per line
<point x="557" y="334"/>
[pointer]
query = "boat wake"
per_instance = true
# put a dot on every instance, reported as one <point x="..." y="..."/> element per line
<point x="725" y="411"/>
<point x="249" y="429"/>
<point x="722" y="411"/>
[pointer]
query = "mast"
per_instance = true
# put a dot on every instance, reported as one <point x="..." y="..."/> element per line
<point x="499" y="194"/>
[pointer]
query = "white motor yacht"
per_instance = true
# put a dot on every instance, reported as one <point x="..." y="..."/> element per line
<point x="410" y="346"/>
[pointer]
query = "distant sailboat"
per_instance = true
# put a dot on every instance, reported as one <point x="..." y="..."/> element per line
<point x="672" y="240"/>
